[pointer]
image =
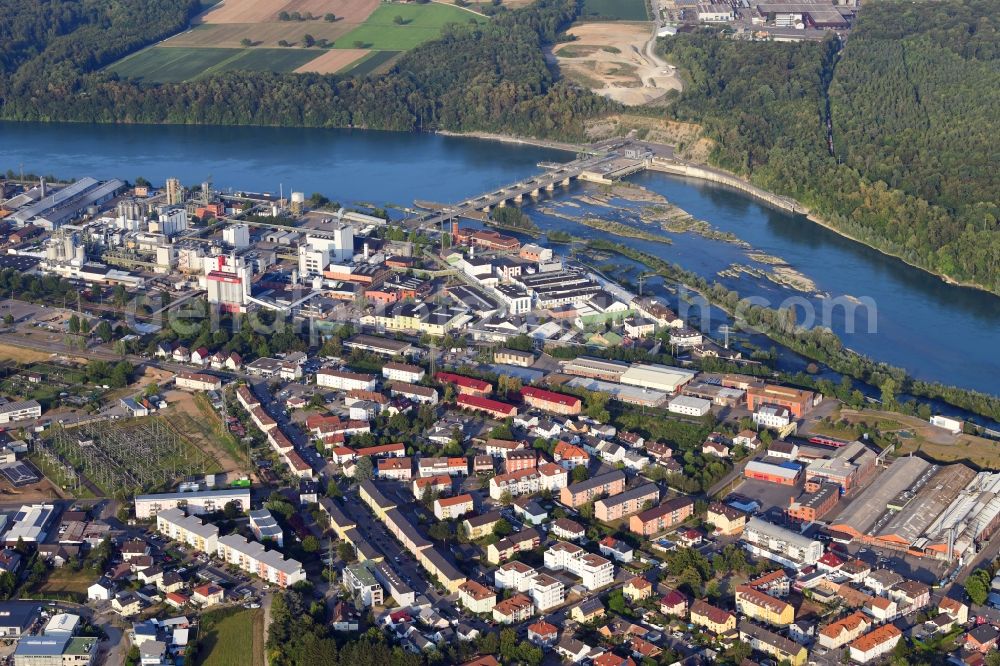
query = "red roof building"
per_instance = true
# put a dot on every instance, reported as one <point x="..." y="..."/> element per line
<point x="465" y="385"/>
<point x="550" y="401"/>
<point x="494" y="408"/>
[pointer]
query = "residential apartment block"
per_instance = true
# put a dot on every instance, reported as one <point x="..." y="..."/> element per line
<point x="669" y="514"/>
<point x="577" y="494"/>
<point x="449" y="508"/>
<point x="626" y="503"/>
<point x="251" y="557"/>
<point x="189" y="530"/>
<point x="593" y="570"/>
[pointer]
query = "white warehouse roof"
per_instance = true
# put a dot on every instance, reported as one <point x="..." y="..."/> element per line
<point x="659" y="377"/>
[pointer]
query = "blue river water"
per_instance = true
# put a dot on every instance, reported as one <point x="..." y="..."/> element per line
<point x="934" y="330"/>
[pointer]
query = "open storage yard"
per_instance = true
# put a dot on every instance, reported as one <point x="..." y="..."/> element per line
<point x="364" y="36"/>
<point x="613" y="60"/>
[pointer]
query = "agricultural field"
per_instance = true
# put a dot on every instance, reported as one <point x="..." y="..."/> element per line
<point x="333" y="61"/>
<point x="231" y="638"/>
<point x="618" y="10"/>
<point x="164" y="64"/>
<point x="370" y="63"/>
<point x="420" y="23"/>
<point x="248" y="35"/>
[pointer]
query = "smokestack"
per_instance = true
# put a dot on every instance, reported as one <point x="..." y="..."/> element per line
<point x="43" y="187"/>
<point x="366" y="251"/>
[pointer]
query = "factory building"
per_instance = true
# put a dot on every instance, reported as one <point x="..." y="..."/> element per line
<point x="850" y="467"/>
<point x="797" y="401"/>
<point x="657" y="377"/>
<point x="227" y="281"/>
<point x="52" y="210"/>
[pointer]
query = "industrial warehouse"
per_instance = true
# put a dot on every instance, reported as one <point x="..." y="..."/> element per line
<point x="924" y="509"/>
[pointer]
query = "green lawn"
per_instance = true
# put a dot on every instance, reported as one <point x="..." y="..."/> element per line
<point x="622" y="10"/>
<point x="369" y="63"/>
<point x="228" y="638"/>
<point x="165" y="64"/>
<point x="420" y="24"/>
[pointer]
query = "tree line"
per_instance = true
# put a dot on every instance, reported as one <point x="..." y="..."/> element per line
<point x="476" y="77"/>
<point x="912" y="99"/>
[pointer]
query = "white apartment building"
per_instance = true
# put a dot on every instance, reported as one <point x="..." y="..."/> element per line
<point x="549" y="476"/>
<point x="781" y="545"/>
<point x="251" y="557"/>
<point x="594" y="571"/>
<point x="360" y="579"/>
<point x="173" y="524"/>
<point x="195" y="503"/>
<point x="771" y="416"/>
<point x="547" y="592"/>
<point x="449" y="508"/>
<point x="342" y="380"/>
<point x="477" y="597"/>
<point x="514" y="575"/>
<point x="521" y="482"/>
<point x="197" y="381"/>
<point x="17" y="411"/>
<point x="402" y="372"/>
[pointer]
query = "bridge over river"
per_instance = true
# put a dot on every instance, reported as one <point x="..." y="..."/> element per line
<point x="601" y="168"/>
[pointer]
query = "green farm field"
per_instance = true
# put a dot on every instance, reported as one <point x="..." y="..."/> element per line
<point x="369" y="63"/>
<point x="621" y="10"/>
<point x="166" y="64"/>
<point x="421" y="23"/>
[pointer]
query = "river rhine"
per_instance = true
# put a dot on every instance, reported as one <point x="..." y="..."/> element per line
<point x="934" y="330"/>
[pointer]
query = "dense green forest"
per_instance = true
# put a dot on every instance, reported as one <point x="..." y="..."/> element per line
<point x="912" y="97"/>
<point x="56" y="40"/>
<point x="490" y="77"/>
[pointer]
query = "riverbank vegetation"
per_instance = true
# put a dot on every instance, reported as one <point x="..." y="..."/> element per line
<point x="912" y="99"/>
<point x="488" y="77"/>
<point x="819" y="344"/>
<point x="512" y="218"/>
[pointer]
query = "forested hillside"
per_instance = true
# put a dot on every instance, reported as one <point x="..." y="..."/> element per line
<point x="913" y="99"/>
<point x="59" y="39"/>
<point x="491" y="77"/>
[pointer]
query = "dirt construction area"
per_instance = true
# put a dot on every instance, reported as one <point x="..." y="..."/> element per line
<point x="192" y="416"/>
<point x="617" y="60"/>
